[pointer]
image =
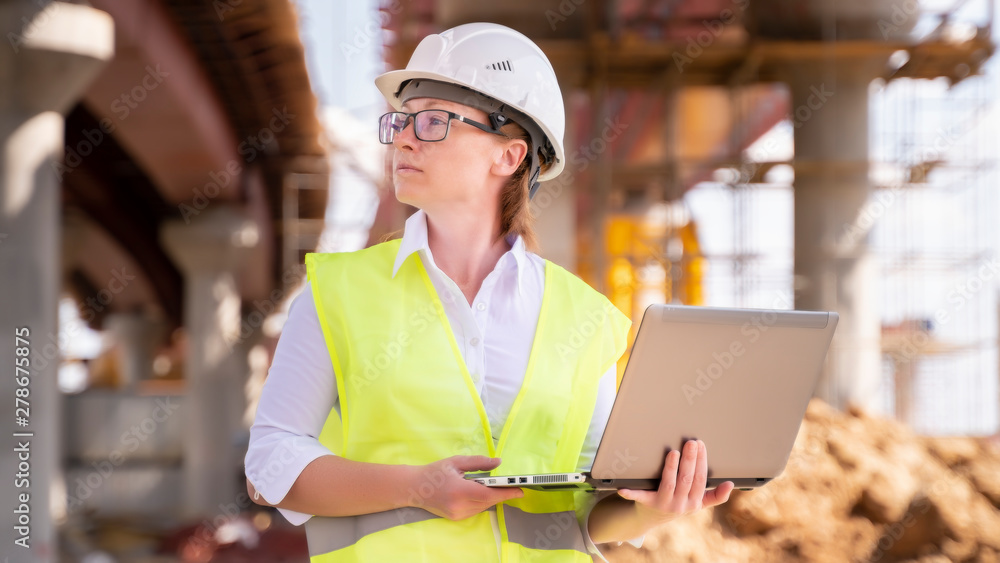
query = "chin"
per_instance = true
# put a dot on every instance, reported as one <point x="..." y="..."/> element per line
<point x="407" y="193"/>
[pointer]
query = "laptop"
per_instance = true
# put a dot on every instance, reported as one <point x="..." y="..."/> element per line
<point x="738" y="379"/>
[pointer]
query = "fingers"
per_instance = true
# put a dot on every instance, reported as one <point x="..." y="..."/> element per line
<point x="489" y="496"/>
<point x="474" y="462"/>
<point x="700" y="474"/>
<point x="493" y="495"/>
<point x="455" y="497"/>
<point x="718" y="495"/>
<point x="668" y="479"/>
<point x="682" y="485"/>
<point x="502" y="495"/>
<point x="643" y="497"/>
<point x="685" y="473"/>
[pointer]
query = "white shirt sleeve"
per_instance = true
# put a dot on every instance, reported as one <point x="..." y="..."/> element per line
<point x="602" y="410"/>
<point x="296" y="399"/>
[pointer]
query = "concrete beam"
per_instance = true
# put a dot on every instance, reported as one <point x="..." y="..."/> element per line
<point x="162" y="106"/>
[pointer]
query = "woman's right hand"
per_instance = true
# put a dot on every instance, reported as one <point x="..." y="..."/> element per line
<point x="441" y="487"/>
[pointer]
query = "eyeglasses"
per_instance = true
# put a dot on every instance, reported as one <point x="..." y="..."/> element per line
<point x="429" y="125"/>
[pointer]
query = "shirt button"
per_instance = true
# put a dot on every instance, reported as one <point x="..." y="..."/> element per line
<point x="481" y="306"/>
<point x="474" y="341"/>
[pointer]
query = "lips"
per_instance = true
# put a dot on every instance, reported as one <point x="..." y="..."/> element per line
<point x="401" y="167"/>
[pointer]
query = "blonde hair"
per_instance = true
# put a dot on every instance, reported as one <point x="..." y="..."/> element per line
<point x="515" y="213"/>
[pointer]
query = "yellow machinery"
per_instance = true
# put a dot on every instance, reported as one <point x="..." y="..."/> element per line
<point x="652" y="257"/>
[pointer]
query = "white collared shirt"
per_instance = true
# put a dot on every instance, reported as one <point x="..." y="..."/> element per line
<point x="494" y="335"/>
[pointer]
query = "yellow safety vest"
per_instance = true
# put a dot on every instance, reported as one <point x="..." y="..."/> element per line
<point x="406" y="397"/>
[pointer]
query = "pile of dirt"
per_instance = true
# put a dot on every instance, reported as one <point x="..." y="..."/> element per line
<point x="856" y="488"/>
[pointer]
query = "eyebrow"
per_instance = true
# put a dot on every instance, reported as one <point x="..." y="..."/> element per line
<point x="431" y="105"/>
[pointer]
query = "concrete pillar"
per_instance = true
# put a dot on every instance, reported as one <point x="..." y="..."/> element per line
<point x="138" y="337"/>
<point x="828" y="75"/>
<point x="834" y="269"/>
<point x="47" y="59"/>
<point x="209" y="250"/>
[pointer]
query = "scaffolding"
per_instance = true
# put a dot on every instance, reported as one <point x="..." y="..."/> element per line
<point x="746" y="211"/>
<point x="932" y="228"/>
<point x="936" y="239"/>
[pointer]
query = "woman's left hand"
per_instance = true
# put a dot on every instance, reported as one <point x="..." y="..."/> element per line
<point x="682" y="487"/>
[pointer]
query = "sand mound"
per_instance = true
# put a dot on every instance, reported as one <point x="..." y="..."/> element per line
<point x="856" y="488"/>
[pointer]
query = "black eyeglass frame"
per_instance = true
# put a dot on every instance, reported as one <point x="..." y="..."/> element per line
<point x="497" y="120"/>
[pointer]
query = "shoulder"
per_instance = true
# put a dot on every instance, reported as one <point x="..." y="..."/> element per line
<point x="375" y="255"/>
<point x="568" y="279"/>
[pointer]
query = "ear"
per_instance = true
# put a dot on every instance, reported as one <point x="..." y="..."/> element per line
<point x="511" y="153"/>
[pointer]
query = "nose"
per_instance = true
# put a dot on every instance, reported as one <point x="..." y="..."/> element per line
<point x="406" y="137"/>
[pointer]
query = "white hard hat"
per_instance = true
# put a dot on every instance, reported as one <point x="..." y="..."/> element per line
<point x="503" y="65"/>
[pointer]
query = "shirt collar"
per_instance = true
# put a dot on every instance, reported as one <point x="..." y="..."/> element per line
<point x="415" y="239"/>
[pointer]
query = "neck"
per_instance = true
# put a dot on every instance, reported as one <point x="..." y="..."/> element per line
<point x="464" y="250"/>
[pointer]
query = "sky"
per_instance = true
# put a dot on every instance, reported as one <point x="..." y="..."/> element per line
<point x="343" y="53"/>
<point x="343" y="42"/>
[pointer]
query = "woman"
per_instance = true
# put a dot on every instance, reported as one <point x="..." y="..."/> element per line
<point x="455" y="349"/>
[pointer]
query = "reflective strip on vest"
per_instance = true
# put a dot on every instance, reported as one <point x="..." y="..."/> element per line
<point x="548" y="530"/>
<point x="545" y="531"/>
<point x="330" y="534"/>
